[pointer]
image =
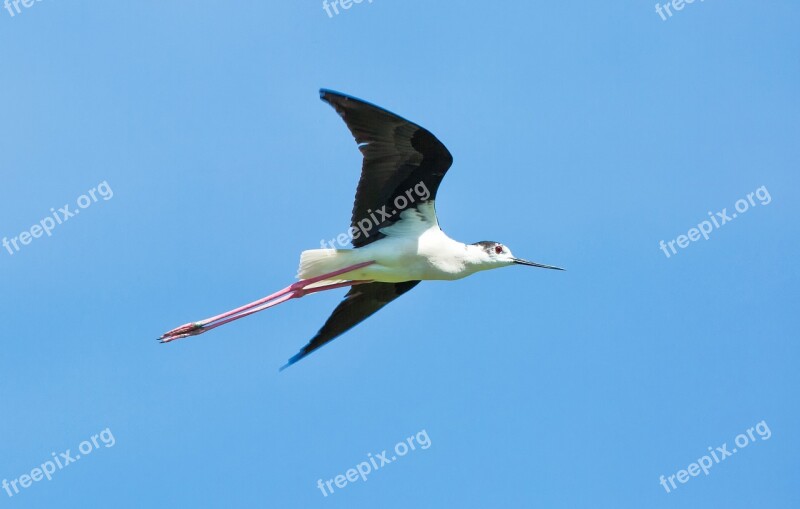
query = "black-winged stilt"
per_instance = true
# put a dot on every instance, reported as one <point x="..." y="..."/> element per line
<point x="403" y="244"/>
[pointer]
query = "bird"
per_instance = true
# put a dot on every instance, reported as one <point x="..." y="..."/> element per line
<point x="396" y="238"/>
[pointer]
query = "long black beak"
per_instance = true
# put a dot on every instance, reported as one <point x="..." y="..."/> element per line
<point x="520" y="261"/>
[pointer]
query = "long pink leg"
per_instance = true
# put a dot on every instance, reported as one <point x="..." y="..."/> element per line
<point x="293" y="291"/>
<point x="293" y="295"/>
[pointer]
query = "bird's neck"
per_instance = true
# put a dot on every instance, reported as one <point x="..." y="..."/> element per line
<point x="475" y="258"/>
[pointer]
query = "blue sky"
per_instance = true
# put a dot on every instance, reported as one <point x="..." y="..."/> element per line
<point x="583" y="134"/>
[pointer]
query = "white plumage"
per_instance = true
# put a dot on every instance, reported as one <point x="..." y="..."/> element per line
<point x="414" y="249"/>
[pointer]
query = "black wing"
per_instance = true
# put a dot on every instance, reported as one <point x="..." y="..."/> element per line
<point x="360" y="303"/>
<point x="398" y="155"/>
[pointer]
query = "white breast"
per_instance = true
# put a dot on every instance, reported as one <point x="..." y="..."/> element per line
<point x="415" y="248"/>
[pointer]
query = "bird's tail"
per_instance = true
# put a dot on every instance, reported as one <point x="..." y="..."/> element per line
<point x="316" y="262"/>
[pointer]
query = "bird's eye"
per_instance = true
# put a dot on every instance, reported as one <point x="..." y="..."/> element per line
<point x="498" y="249"/>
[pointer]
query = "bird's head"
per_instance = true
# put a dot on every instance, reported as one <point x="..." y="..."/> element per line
<point x="494" y="255"/>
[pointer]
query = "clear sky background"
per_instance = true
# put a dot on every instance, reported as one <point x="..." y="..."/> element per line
<point x="583" y="134"/>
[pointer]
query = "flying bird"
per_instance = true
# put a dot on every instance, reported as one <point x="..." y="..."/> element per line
<point x="397" y="241"/>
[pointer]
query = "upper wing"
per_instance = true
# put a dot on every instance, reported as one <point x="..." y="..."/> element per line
<point x="398" y="156"/>
<point x="360" y="302"/>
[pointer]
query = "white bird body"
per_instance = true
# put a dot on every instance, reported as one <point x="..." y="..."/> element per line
<point x="413" y="249"/>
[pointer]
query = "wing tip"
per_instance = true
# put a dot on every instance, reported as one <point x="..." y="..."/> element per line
<point x="293" y="360"/>
<point x="338" y="101"/>
<point x="288" y="364"/>
<point x="328" y="95"/>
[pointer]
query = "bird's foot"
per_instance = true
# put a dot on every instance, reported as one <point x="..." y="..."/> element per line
<point x="184" y="331"/>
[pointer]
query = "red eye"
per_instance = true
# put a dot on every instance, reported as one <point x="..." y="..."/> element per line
<point x="498" y="249"/>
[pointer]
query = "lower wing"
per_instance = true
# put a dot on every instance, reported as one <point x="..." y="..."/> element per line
<point x="359" y="304"/>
